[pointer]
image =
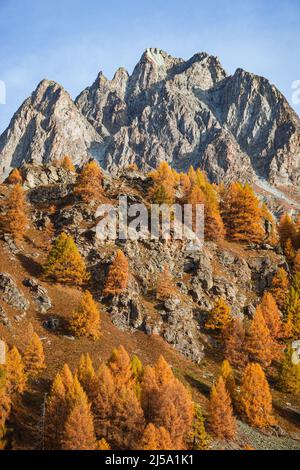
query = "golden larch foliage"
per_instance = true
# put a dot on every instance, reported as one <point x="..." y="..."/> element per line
<point x="164" y="182"/>
<point x="219" y="317"/>
<point x="155" y="438"/>
<point x="117" y="279"/>
<point x="86" y="318"/>
<point x="242" y="214"/>
<point x="103" y="445"/>
<point x="5" y="405"/>
<point x="34" y="357"/>
<point x="15" y="177"/>
<point x="286" y="229"/>
<point x="67" y="164"/>
<point x="16" y="220"/>
<point x="90" y="182"/>
<point x="289" y="251"/>
<point x="292" y="314"/>
<point x="234" y="343"/>
<point x="120" y="366"/>
<point x="86" y="375"/>
<point x="79" y="431"/>
<point x="198" y="437"/>
<point x="280" y="287"/>
<point x="255" y="401"/>
<point x="296" y="265"/>
<point x="221" y="420"/>
<point x="58" y="407"/>
<point x="271" y="315"/>
<point x="64" y="263"/>
<point x="15" y="372"/>
<point x="104" y="394"/>
<point x="202" y="192"/>
<point x="227" y="375"/>
<point x="127" y="420"/>
<point x="259" y="344"/>
<point x="167" y="403"/>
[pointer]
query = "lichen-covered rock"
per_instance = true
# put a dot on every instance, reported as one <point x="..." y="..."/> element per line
<point x="40" y="295"/>
<point x="4" y="320"/>
<point x="180" y="329"/>
<point x="10" y="293"/>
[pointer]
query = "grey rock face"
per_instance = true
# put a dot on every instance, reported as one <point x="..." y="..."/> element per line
<point x="180" y="330"/>
<point x="10" y="293"/>
<point x="35" y="176"/>
<point x="191" y="112"/>
<point x="40" y="295"/>
<point x="185" y="112"/>
<point x="45" y="128"/>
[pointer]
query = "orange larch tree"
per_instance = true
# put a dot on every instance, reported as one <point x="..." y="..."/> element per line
<point x="289" y="251"/>
<point x="104" y="394"/>
<point x="255" y="401"/>
<point x="67" y="164"/>
<point x="166" y="402"/>
<point x="286" y="229"/>
<point x="90" y="182"/>
<point x="271" y="315"/>
<point x="58" y="407"/>
<point x="34" y="357"/>
<point x="155" y="438"/>
<point x="234" y="343"/>
<point x="219" y="317"/>
<point x="117" y="279"/>
<point x="163" y="188"/>
<point x="79" y="431"/>
<point x="86" y="374"/>
<point x="64" y="263"/>
<point x="86" y="318"/>
<point x="16" y="220"/>
<point x="15" y="372"/>
<point x="242" y="214"/>
<point x="221" y="420"/>
<point x="259" y="344"/>
<point x="227" y="375"/>
<point x="280" y="287"/>
<point x="120" y="366"/>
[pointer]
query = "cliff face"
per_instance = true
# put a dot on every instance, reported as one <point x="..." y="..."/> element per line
<point x="186" y="112"/>
<point x="46" y="127"/>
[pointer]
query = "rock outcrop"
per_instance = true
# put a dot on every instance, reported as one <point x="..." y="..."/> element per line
<point x="10" y="293"/>
<point x="46" y="127"/>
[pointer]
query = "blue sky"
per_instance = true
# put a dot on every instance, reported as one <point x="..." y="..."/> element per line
<point x="70" y="41"/>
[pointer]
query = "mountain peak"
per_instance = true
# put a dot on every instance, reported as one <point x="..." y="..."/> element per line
<point x="46" y="127"/>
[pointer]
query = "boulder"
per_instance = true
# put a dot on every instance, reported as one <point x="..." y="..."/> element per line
<point x="40" y="295"/>
<point x="10" y="293"/>
<point x="4" y="320"/>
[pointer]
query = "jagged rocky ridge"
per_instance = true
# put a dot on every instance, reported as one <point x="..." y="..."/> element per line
<point x="186" y="112"/>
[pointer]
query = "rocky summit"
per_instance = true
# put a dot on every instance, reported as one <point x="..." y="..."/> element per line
<point x="186" y="112"/>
